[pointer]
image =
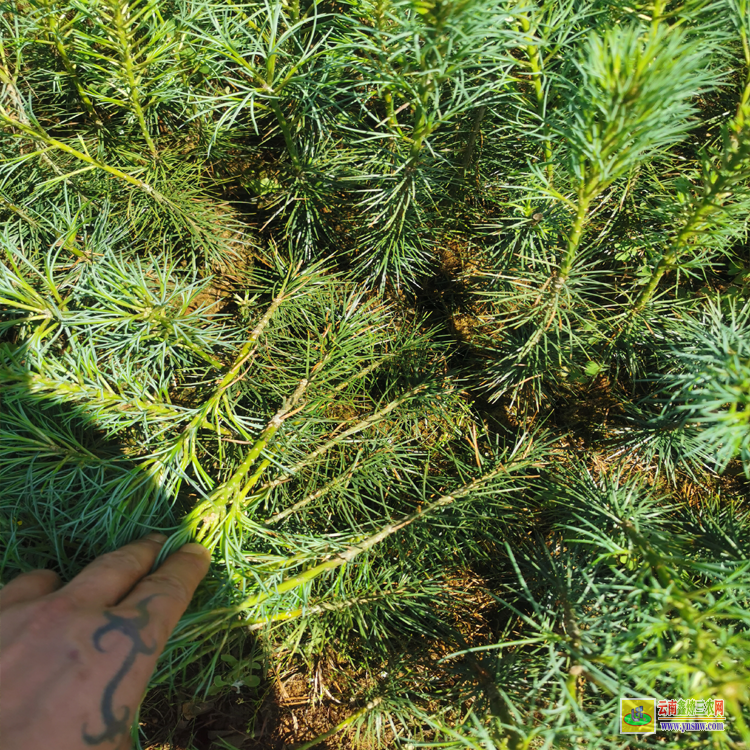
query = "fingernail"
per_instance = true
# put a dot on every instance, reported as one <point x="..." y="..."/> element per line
<point x="155" y="536"/>
<point x="195" y="549"/>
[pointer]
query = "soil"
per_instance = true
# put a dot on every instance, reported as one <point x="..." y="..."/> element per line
<point x="281" y="717"/>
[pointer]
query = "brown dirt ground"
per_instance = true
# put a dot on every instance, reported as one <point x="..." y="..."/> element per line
<point x="279" y="718"/>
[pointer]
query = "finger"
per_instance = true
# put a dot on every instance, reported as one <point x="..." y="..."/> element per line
<point x="29" y="586"/>
<point x="165" y="594"/>
<point x="110" y="577"/>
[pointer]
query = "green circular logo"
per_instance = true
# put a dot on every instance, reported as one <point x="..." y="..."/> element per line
<point x="645" y="719"/>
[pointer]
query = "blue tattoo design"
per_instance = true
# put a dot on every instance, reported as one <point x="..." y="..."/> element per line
<point x="131" y="627"/>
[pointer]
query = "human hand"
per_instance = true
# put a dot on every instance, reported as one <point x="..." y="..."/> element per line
<point x="75" y="659"/>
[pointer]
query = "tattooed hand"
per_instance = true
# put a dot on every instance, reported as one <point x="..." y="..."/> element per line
<point x="75" y="660"/>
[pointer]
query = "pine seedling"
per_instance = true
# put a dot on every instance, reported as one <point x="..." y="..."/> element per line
<point x="427" y="65"/>
<point x="631" y="101"/>
<point x="108" y="48"/>
<point x="273" y="62"/>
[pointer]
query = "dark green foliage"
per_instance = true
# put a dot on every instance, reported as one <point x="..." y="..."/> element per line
<point x="397" y="306"/>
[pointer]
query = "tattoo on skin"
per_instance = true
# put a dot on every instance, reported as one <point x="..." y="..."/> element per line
<point x="130" y="627"/>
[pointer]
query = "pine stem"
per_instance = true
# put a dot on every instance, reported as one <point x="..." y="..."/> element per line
<point x="743" y="106"/>
<point x="126" y="58"/>
<point x="324" y="490"/>
<point x="41" y="136"/>
<point x="711" y="203"/>
<point x="316" y="609"/>
<point x="94" y="397"/>
<point x="537" y="76"/>
<point x="207" y="624"/>
<point x="53" y="24"/>
<point x="380" y="25"/>
<point x="695" y="224"/>
<point x="37" y="134"/>
<point x="468" y="152"/>
<point x="366" y="544"/>
<point x="714" y="196"/>
<point x="574" y="642"/>
<point x="574" y="238"/>
<point x="18" y="211"/>
<point x="291" y="147"/>
<point x="420" y="131"/>
<point x="22" y="120"/>
<point x="389" y="111"/>
<point x="325" y="447"/>
<point x="656" y="15"/>
<point x="246" y="352"/>
<point x="510" y="738"/>
<point x="236" y="488"/>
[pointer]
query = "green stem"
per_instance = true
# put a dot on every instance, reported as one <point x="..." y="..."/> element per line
<point x="236" y="488"/>
<point x="576" y="232"/>
<point x="537" y="76"/>
<point x="656" y="15"/>
<point x="126" y="57"/>
<point x="743" y="106"/>
<point x="41" y="136"/>
<point x="324" y="490"/>
<point x="740" y="725"/>
<point x="19" y="212"/>
<point x="509" y="738"/>
<point x="207" y="518"/>
<point x="665" y="264"/>
<point x="381" y="24"/>
<point x="574" y="641"/>
<point x="94" y="397"/>
<point x="286" y="130"/>
<point x="207" y="624"/>
<point x="246" y="352"/>
<point x="714" y="196"/>
<point x="359" y="427"/>
<point x="711" y="203"/>
<point x="38" y="134"/>
<point x="365" y="544"/>
<point x="421" y="131"/>
<point x="55" y="33"/>
<point x="389" y="111"/>
<point x="22" y="120"/>
<point x="469" y="148"/>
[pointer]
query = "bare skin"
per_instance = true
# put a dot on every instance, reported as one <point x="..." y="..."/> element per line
<point x="75" y="659"/>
